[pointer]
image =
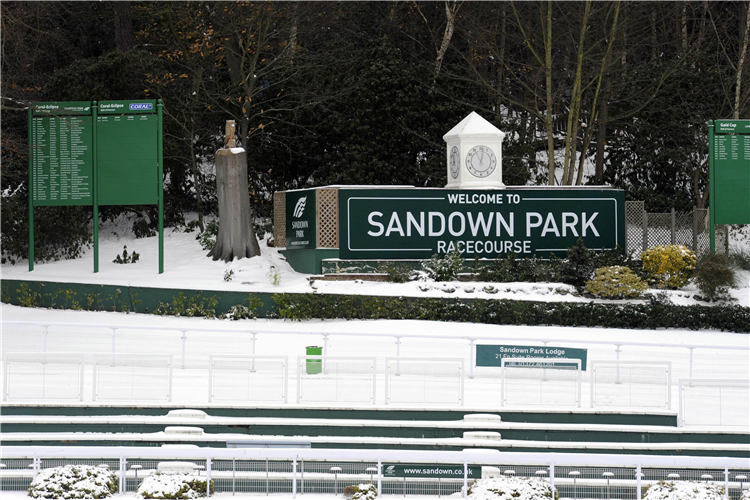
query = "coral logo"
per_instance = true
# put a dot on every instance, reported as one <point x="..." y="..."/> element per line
<point x="141" y="106"/>
<point x="299" y="208"/>
<point x="390" y="470"/>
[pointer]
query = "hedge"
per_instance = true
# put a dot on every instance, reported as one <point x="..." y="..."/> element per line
<point x="731" y="318"/>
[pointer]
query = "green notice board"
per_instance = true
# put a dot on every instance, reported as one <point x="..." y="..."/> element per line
<point x="84" y="153"/>
<point x="61" y="164"/>
<point x="493" y="355"/>
<point x="730" y="194"/>
<point x="127" y="152"/>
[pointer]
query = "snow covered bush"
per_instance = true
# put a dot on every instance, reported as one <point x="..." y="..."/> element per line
<point x="74" y="481"/>
<point x="512" y="488"/>
<point x="684" y="490"/>
<point x="669" y="266"/>
<point x="173" y="485"/>
<point x="361" y="492"/>
<point x="745" y="495"/>
<point x="616" y="282"/>
<point x="444" y="268"/>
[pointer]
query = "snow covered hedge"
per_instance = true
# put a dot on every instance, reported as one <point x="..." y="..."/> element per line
<point x="684" y="490"/>
<point x="361" y="492"/>
<point x="74" y="481"/>
<point x="512" y="488"/>
<point x="175" y="485"/>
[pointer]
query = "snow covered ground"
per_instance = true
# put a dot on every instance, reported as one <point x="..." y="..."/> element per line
<point x="186" y="266"/>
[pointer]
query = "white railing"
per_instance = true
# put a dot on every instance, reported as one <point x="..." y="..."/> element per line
<point x="336" y="379"/>
<point x="297" y="470"/>
<point x="714" y="402"/>
<point x="43" y="376"/>
<point x="631" y="384"/>
<point x="248" y="378"/>
<point x="133" y="377"/>
<point x="537" y="381"/>
<point x="424" y="381"/>
<point x="192" y="349"/>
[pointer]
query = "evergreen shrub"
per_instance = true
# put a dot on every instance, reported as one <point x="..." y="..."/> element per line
<point x="444" y="268"/>
<point x="715" y="277"/>
<point x="669" y="266"/>
<point x="616" y="282"/>
<point x="74" y="481"/>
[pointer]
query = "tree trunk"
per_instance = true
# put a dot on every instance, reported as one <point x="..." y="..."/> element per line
<point x="236" y="238"/>
<point x="548" y="84"/>
<point x="740" y="64"/>
<point x="123" y="26"/>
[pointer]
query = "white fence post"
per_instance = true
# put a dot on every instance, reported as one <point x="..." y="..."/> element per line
<point x="472" y="358"/>
<point x="184" y="341"/>
<point x="380" y="477"/>
<point x="208" y="477"/>
<point x="294" y="478"/>
<point x="638" y="482"/>
<point x="466" y="478"/>
<point x="123" y="479"/>
<point x="726" y="483"/>
<point x="552" y="476"/>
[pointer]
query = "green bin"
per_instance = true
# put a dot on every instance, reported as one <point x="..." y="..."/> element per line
<point x="314" y="366"/>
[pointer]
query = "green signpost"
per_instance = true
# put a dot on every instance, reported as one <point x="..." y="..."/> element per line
<point x="418" y="223"/>
<point x="729" y="173"/>
<point x="84" y="153"/>
<point x="493" y="355"/>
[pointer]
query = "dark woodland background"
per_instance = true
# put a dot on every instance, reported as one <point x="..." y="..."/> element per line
<point x="362" y="92"/>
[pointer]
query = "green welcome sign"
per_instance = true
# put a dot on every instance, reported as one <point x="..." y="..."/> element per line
<point x="90" y="154"/>
<point x="418" y="223"/>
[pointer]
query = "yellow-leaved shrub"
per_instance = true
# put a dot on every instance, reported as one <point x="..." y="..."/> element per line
<point x="616" y="282"/>
<point x="669" y="266"/>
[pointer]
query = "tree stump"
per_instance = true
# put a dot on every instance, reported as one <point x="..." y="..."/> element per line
<point x="236" y="238"/>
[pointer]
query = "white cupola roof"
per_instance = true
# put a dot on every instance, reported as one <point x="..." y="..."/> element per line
<point x="474" y="126"/>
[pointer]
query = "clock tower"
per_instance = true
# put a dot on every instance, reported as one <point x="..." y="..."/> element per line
<point x="474" y="154"/>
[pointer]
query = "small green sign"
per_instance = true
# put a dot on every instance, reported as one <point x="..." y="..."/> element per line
<point x="493" y="355"/>
<point x="442" y="471"/>
<point x="127" y="107"/>
<point x="62" y="108"/>
<point x="301" y="230"/>
<point x="418" y="223"/>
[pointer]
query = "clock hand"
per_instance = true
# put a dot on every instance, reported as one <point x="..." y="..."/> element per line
<point x="481" y="159"/>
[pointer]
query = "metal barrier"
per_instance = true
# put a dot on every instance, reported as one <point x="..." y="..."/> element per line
<point x="714" y="402"/>
<point x="336" y="379"/>
<point x="132" y="377"/>
<point x="631" y="383"/>
<point x="248" y="378"/>
<point x="41" y="375"/>
<point x="192" y="351"/>
<point x="549" y="382"/>
<point x="424" y="381"/>
<point x="298" y="471"/>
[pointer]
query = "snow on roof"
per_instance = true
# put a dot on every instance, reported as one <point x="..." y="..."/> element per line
<point x="474" y="125"/>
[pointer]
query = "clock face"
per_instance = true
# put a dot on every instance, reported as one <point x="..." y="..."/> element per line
<point x="454" y="161"/>
<point x="481" y="161"/>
